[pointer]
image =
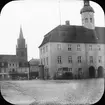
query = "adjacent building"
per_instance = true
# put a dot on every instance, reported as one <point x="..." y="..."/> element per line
<point x="34" y="68"/>
<point x="79" y="50"/>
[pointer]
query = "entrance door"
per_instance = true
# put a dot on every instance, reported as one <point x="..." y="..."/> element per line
<point x="92" y="72"/>
<point x="100" y="71"/>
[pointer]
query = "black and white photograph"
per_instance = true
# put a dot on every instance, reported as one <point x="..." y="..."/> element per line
<point x="52" y="52"/>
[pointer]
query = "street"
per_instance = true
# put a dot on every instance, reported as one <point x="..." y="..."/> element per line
<point x="53" y="91"/>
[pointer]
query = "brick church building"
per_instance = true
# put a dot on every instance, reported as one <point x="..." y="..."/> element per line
<point x="9" y="64"/>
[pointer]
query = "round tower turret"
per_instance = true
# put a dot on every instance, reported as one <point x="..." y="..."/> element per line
<point x="87" y="14"/>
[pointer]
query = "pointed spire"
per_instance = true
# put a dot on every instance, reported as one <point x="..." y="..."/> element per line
<point x="21" y="33"/>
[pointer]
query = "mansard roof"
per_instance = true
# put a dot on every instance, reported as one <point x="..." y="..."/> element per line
<point x="75" y="34"/>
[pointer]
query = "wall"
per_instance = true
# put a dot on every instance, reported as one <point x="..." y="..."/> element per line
<point x="84" y="53"/>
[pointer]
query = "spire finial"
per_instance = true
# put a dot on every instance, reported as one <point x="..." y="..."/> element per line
<point x="21" y="33"/>
<point x="86" y="3"/>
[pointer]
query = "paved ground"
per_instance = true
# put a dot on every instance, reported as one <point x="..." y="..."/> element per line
<point x="56" y="92"/>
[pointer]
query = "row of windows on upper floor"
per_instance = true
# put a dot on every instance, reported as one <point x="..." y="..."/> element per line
<point x="12" y="70"/>
<point x="20" y="64"/>
<point x="44" y="61"/>
<point x="87" y="20"/>
<point x="11" y="64"/>
<point x="79" y="59"/>
<point x="59" y="47"/>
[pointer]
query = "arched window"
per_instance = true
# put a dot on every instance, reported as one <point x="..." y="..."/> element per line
<point x="91" y="20"/>
<point x="86" y="20"/>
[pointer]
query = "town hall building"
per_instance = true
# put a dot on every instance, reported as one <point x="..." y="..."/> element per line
<point x="77" y="50"/>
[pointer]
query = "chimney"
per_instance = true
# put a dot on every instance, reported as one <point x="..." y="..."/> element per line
<point x="67" y="23"/>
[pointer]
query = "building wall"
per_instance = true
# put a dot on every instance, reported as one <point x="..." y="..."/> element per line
<point x="34" y="68"/>
<point x="86" y="50"/>
<point x="12" y="67"/>
<point x="22" y="52"/>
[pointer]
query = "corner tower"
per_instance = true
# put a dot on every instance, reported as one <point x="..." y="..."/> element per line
<point x="21" y="48"/>
<point x="87" y="14"/>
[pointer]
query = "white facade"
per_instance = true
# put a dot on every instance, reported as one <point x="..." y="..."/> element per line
<point x="72" y="56"/>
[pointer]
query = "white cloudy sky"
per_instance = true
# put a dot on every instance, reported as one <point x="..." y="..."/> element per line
<point x="38" y="17"/>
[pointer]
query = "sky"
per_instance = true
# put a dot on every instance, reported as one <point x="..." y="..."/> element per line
<point x="37" y="18"/>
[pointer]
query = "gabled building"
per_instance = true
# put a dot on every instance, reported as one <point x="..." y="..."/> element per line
<point x="77" y="50"/>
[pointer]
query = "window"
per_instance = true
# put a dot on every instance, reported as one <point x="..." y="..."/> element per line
<point x="70" y="69"/>
<point x="13" y="64"/>
<point x="20" y="64"/>
<point x="46" y="48"/>
<point x="5" y="70"/>
<point x="44" y="61"/>
<point x="82" y="20"/>
<point x="40" y="51"/>
<point x="78" y="47"/>
<point x="13" y="70"/>
<point x="47" y="60"/>
<point x="59" y="46"/>
<point x="100" y="59"/>
<point x="99" y="48"/>
<point x="91" y="20"/>
<point x="2" y="64"/>
<point x="86" y="20"/>
<point x="80" y="71"/>
<point x="59" y="69"/>
<point x="91" y="59"/>
<point x="43" y="49"/>
<point x="79" y="59"/>
<point x="70" y="59"/>
<point x="69" y="47"/>
<point x="90" y="47"/>
<point x="41" y="61"/>
<point x="59" y="59"/>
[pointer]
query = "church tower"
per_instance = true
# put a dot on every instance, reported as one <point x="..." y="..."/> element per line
<point x="21" y="48"/>
<point x="87" y="14"/>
